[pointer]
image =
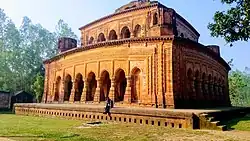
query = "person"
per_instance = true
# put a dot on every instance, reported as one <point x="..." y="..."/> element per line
<point x="109" y="105"/>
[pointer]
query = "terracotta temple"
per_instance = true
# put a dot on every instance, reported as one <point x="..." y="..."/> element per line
<point x="144" y="54"/>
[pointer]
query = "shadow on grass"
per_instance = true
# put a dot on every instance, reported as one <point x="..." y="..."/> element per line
<point x="3" y="111"/>
<point x="231" y="123"/>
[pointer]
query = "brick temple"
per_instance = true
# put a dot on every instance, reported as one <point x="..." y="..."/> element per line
<point x="144" y="54"/>
<point x="148" y="60"/>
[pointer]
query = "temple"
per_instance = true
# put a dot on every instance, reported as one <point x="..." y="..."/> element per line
<point x="144" y="54"/>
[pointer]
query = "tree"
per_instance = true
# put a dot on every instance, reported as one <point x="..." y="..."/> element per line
<point x="22" y="51"/>
<point x="239" y="88"/>
<point x="234" y="24"/>
<point x="38" y="86"/>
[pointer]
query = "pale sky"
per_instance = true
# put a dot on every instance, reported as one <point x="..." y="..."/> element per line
<point x="80" y="12"/>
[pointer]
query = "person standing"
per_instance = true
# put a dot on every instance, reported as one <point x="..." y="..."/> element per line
<point x="109" y="105"/>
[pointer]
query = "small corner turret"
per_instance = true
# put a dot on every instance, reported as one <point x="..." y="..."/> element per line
<point x="65" y="43"/>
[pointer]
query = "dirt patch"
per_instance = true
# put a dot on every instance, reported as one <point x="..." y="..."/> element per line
<point x="5" y="139"/>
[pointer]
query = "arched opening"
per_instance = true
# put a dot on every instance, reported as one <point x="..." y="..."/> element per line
<point x="105" y="85"/>
<point x="167" y="18"/>
<point x="223" y="88"/>
<point x="196" y="83"/>
<point x="125" y="33"/>
<point x="219" y="87"/>
<point x="214" y="86"/>
<point x="155" y="19"/>
<point x="190" y="81"/>
<point x="135" y="85"/>
<point x="67" y="87"/>
<point x="137" y="31"/>
<point x="120" y="85"/>
<point x="91" y="40"/>
<point x="79" y="84"/>
<point x="112" y="35"/>
<point x="101" y="38"/>
<point x="210" y="90"/>
<point x="203" y="85"/>
<point x="58" y="88"/>
<point x="92" y="84"/>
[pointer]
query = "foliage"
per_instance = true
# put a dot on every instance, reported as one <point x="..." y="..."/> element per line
<point x="234" y="24"/>
<point x="22" y="51"/>
<point x="239" y="88"/>
<point x="38" y="86"/>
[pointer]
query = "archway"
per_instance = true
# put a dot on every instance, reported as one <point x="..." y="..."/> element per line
<point x="57" y="88"/>
<point x="155" y="19"/>
<point x="92" y="84"/>
<point x="120" y="85"/>
<point x="137" y="31"/>
<point x="67" y="87"/>
<point x="136" y="85"/>
<point x="210" y="90"/>
<point x="196" y="83"/>
<point x="190" y="81"/>
<point x="101" y="38"/>
<point x="105" y="85"/>
<point x="125" y="33"/>
<point x="203" y="85"/>
<point x="112" y="35"/>
<point x="214" y="86"/>
<point x="91" y="40"/>
<point x="79" y="84"/>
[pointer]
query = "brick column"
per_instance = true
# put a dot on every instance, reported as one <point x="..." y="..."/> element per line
<point x="54" y="92"/>
<point x="72" y="94"/>
<point x="61" y="94"/>
<point x="127" y="96"/>
<point x="97" y="91"/>
<point x="84" y="92"/>
<point x="112" y="90"/>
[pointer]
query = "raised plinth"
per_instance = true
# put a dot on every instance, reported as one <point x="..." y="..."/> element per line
<point x="174" y="118"/>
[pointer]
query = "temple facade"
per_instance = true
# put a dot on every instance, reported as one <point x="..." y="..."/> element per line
<point x="144" y="54"/>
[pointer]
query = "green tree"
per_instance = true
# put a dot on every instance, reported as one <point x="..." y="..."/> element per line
<point x="239" y="88"/>
<point x="234" y="24"/>
<point x="38" y="86"/>
<point x="22" y="51"/>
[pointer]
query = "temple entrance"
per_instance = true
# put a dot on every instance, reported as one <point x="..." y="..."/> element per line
<point x="120" y="85"/>
<point x="67" y="87"/>
<point x="105" y="85"/>
<point x="57" y="88"/>
<point x="92" y="84"/>
<point x="135" y="85"/>
<point x="78" y="87"/>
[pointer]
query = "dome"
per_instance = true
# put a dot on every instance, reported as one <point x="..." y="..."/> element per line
<point x="135" y="4"/>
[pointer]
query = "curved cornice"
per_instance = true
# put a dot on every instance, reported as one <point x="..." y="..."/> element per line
<point x="204" y="49"/>
<point x="109" y="43"/>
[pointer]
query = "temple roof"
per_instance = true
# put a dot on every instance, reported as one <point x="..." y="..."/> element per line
<point x="135" y="4"/>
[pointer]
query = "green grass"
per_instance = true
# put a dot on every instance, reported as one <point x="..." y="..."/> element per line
<point x="28" y="128"/>
<point x="242" y="124"/>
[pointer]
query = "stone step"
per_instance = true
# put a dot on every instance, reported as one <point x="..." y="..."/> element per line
<point x="216" y="123"/>
<point x="222" y="127"/>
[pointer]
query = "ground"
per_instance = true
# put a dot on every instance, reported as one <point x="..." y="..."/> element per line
<point x="27" y="128"/>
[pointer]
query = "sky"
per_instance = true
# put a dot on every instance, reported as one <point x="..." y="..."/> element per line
<point x="81" y="12"/>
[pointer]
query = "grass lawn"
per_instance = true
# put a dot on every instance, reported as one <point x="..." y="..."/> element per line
<point x="27" y="128"/>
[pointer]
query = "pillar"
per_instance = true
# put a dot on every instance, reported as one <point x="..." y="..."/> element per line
<point x="84" y="92"/>
<point x="127" y="96"/>
<point x="61" y="94"/>
<point x="97" y="91"/>
<point x="72" y="93"/>
<point x="112" y="90"/>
